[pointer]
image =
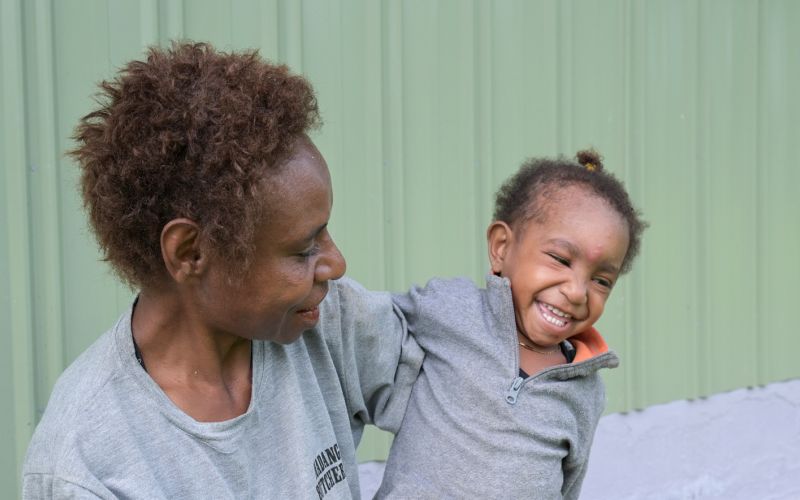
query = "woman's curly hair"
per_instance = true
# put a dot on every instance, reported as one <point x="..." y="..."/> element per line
<point x="524" y="196"/>
<point x="189" y="132"/>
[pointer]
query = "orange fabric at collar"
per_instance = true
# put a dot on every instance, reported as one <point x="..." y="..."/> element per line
<point x="588" y="344"/>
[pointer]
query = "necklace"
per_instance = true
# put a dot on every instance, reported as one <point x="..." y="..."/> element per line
<point x="546" y="352"/>
<point x="554" y="350"/>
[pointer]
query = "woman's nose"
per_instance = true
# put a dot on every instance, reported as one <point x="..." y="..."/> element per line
<point x="331" y="265"/>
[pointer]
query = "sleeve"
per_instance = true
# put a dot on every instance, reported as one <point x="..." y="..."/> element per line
<point x="430" y="311"/>
<point x="441" y="309"/>
<point x="573" y="480"/>
<point x="410" y="306"/>
<point x="379" y="359"/>
<point x="576" y="463"/>
<point x="45" y="486"/>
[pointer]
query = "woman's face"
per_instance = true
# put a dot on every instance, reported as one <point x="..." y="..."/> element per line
<point x="295" y="256"/>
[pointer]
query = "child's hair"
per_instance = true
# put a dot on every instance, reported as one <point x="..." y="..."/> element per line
<point x="188" y="132"/>
<point x="523" y="197"/>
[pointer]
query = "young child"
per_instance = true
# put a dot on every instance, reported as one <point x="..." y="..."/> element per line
<point x="509" y="395"/>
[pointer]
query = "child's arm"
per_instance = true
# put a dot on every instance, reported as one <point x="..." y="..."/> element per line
<point x="575" y="466"/>
<point x="573" y="480"/>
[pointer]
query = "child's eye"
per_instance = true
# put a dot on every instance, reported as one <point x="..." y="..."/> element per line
<point x="606" y="283"/>
<point x="560" y="260"/>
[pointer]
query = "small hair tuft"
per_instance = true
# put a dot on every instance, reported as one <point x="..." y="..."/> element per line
<point x="526" y="195"/>
<point x="589" y="158"/>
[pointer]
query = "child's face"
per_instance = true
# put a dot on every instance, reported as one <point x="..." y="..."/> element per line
<point x="561" y="268"/>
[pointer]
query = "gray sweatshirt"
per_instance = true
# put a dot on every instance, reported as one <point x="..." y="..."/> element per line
<point x="109" y="431"/>
<point x="474" y="428"/>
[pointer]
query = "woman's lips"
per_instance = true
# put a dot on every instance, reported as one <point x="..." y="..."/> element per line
<point x="311" y="315"/>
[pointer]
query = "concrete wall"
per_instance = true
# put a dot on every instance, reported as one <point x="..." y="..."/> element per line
<point x="743" y="445"/>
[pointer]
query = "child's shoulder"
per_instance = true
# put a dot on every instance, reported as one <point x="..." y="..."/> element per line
<point x="456" y="285"/>
<point x="442" y="300"/>
<point x="447" y="290"/>
<point x="439" y="292"/>
<point x="441" y="307"/>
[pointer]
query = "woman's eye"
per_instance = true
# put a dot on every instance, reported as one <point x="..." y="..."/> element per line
<point x="560" y="260"/>
<point x="310" y="252"/>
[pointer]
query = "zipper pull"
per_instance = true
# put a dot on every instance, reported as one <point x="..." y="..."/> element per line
<point x="513" y="391"/>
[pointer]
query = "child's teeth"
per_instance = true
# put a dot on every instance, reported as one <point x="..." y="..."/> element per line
<point x="554" y="321"/>
<point x="557" y="312"/>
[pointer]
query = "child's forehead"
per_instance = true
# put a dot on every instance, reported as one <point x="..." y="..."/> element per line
<point x="558" y="201"/>
<point x="573" y="211"/>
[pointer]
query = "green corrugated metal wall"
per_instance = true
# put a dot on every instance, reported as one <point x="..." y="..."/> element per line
<point x="428" y="106"/>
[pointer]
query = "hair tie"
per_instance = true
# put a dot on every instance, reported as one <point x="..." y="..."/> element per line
<point x="591" y="167"/>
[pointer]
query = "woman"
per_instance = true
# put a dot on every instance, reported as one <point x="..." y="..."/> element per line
<point x="242" y="370"/>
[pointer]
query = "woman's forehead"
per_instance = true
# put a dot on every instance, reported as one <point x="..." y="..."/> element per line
<point x="299" y="195"/>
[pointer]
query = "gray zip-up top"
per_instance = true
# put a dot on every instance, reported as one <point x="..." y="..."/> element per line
<point x="474" y="428"/>
<point x="110" y="432"/>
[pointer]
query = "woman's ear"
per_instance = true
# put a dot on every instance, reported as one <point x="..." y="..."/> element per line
<point x="183" y="255"/>
<point x="498" y="238"/>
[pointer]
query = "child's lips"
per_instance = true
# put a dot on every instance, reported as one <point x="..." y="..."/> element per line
<point x="553" y="315"/>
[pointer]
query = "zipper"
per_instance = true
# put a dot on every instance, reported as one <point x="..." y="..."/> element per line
<point x="513" y="391"/>
<point x="516" y="386"/>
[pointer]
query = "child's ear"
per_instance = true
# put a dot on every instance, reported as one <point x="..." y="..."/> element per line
<point x="498" y="238"/>
<point x="181" y="250"/>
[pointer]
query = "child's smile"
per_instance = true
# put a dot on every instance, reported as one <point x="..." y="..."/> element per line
<point x="553" y="323"/>
<point x="554" y="315"/>
<point x="562" y="266"/>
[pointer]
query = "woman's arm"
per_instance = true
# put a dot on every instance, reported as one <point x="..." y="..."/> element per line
<point x="376" y="358"/>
